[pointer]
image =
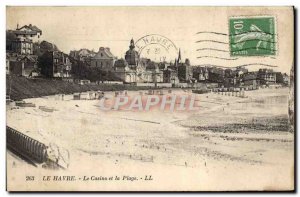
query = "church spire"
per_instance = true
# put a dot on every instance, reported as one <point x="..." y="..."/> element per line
<point x="131" y="44"/>
<point x="179" y="57"/>
<point x="132" y="56"/>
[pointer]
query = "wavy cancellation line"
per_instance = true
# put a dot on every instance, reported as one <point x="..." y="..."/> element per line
<point x="221" y="42"/>
<point x="224" y="34"/>
<point x="260" y="48"/>
<point x="224" y="58"/>
<point x="213" y="49"/>
<point x="216" y="57"/>
<point x="215" y="41"/>
<point x="242" y="65"/>
<point x="259" y="64"/>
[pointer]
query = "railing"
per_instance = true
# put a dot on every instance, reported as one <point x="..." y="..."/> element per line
<point x="25" y="145"/>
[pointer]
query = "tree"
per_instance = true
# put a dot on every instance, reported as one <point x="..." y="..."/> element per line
<point x="40" y="48"/>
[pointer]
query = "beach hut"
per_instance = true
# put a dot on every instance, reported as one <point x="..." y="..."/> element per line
<point x="76" y="96"/>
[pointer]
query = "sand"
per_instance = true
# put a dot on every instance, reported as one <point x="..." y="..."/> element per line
<point x="228" y="143"/>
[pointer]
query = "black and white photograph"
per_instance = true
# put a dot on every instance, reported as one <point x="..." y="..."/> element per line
<point x="150" y="98"/>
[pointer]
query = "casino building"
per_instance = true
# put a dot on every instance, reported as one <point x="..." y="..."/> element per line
<point x="134" y="69"/>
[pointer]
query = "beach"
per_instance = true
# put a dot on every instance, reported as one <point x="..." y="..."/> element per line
<point x="241" y="143"/>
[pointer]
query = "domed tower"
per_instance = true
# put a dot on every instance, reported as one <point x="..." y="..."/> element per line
<point x="132" y="56"/>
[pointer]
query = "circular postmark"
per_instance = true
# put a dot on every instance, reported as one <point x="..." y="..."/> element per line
<point x="156" y="47"/>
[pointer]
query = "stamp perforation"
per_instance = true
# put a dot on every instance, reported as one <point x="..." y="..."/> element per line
<point x="276" y="37"/>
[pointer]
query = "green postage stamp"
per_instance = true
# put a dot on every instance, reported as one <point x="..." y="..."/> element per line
<point x="252" y="36"/>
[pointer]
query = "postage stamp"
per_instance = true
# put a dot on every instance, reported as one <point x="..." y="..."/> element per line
<point x="252" y="36"/>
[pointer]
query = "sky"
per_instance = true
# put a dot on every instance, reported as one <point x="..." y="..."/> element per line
<point x="73" y="28"/>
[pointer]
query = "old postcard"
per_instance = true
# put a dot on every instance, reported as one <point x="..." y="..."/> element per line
<point x="150" y="98"/>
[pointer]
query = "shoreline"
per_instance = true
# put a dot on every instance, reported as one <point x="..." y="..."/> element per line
<point x="115" y="140"/>
<point x="19" y="88"/>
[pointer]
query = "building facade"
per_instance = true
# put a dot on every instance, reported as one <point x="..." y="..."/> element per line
<point x="21" y="65"/>
<point x="82" y="54"/>
<point x="103" y="60"/>
<point x="20" y="41"/>
<point x="134" y="69"/>
<point x="55" y="64"/>
<point x="20" y="57"/>
<point x="251" y="80"/>
<point x="267" y="76"/>
<point x="185" y="71"/>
